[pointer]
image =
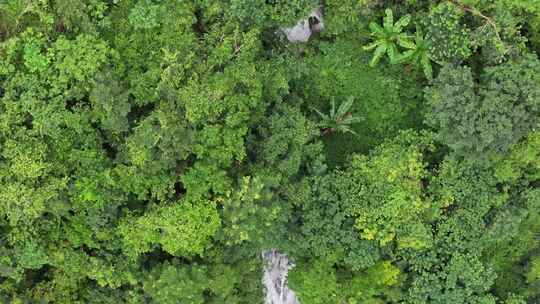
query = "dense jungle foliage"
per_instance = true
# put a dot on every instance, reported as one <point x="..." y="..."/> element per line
<point x="151" y="149"/>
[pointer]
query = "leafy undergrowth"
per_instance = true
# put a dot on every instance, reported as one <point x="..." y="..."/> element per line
<point x="387" y="97"/>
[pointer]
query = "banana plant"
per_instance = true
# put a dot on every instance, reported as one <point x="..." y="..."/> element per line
<point x="338" y="120"/>
<point x="419" y="55"/>
<point x="388" y="37"/>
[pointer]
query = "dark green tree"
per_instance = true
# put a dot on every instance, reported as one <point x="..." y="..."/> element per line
<point x="485" y="117"/>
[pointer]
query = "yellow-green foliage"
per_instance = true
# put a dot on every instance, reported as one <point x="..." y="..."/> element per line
<point x="522" y="161"/>
<point x="534" y="269"/>
<point x="181" y="228"/>
<point x="374" y="283"/>
<point x="384" y="192"/>
<point x="315" y="283"/>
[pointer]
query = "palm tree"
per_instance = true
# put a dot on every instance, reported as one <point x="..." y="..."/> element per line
<point x="418" y="55"/>
<point x="338" y="120"/>
<point x="388" y="37"/>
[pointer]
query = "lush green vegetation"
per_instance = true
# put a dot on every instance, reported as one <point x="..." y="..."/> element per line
<point x="151" y="149"/>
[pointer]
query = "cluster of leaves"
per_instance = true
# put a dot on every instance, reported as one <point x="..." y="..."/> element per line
<point x="340" y="119"/>
<point x="449" y="39"/>
<point x="389" y="38"/>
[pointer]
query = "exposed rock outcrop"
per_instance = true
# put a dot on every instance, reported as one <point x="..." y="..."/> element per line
<point x="303" y="30"/>
<point x="276" y="267"/>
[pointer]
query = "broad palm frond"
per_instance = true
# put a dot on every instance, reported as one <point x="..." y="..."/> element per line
<point x="418" y="55"/>
<point x="402" y="22"/>
<point x="338" y="119"/>
<point x="346" y="129"/>
<point x="388" y="37"/>
<point x="322" y="115"/>
<point x="388" y="20"/>
<point x="345" y="106"/>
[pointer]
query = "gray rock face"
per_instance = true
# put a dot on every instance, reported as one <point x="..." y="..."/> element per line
<point x="305" y="28"/>
<point x="276" y="267"/>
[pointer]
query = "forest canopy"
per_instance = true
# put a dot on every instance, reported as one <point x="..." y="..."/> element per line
<point x="151" y="150"/>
